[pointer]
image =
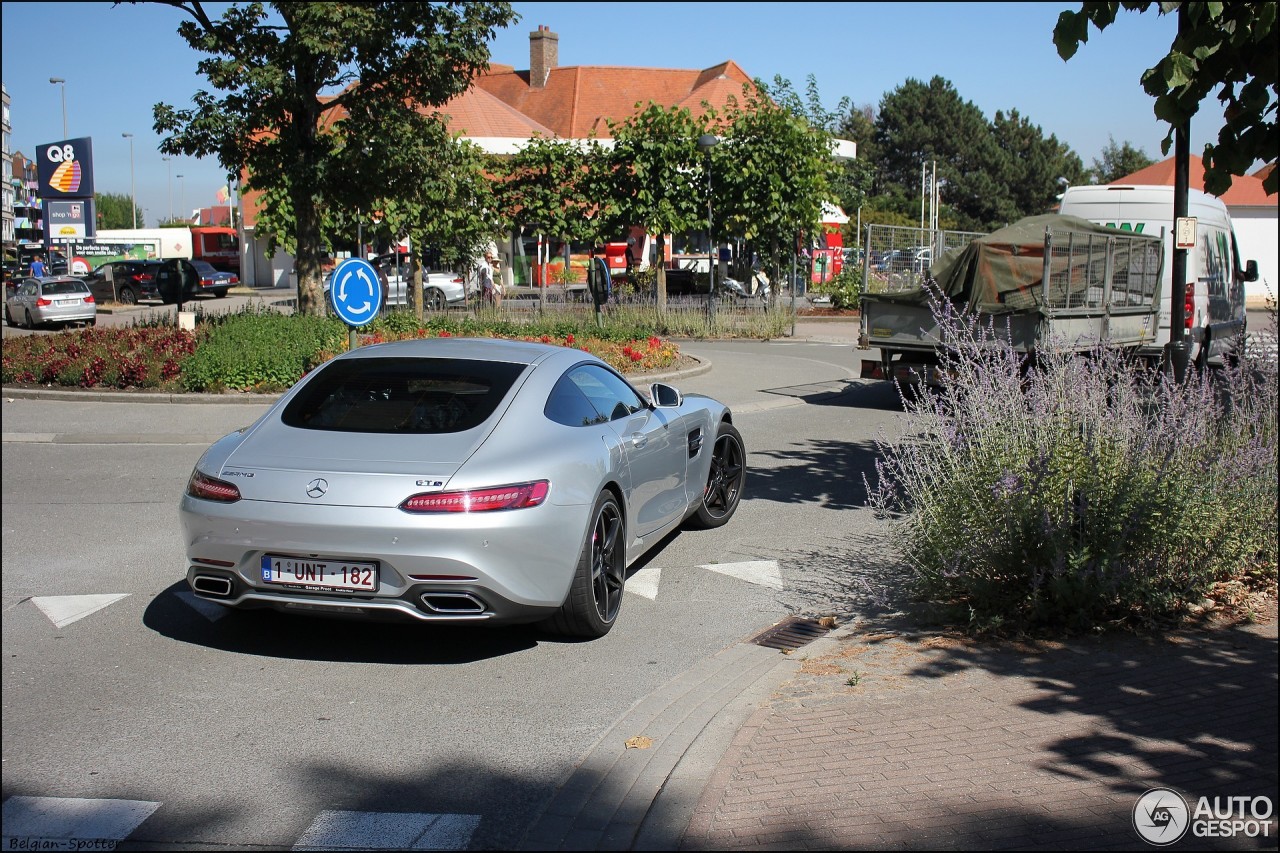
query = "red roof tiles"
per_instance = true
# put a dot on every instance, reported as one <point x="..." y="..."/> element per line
<point x="1246" y="190"/>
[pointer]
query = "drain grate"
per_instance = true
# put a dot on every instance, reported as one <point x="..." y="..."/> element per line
<point x="791" y="633"/>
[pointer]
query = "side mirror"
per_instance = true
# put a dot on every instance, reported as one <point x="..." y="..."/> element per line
<point x="1251" y="271"/>
<point x="664" y="396"/>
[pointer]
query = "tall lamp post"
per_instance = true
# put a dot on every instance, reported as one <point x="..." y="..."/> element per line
<point x="706" y="142"/>
<point x="133" y="186"/>
<point x="58" y="81"/>
<point x="182" y="196"/>
<point x="168" y="162"/>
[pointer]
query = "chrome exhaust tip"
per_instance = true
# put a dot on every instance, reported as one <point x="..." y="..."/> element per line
<point x="452" y="603"/>
<point x="212" y="585"/>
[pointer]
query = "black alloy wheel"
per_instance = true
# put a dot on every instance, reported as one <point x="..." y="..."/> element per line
<point x="724" y="480"/>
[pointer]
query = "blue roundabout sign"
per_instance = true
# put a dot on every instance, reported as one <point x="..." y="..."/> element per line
<point x="355" y="292"/>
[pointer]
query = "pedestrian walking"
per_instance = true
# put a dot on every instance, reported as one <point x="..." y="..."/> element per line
<point x="489" y="292"/>
<point x="37" y="267"/>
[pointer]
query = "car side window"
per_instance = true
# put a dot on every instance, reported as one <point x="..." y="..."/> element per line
<point x="611" y="396"/>
<point x="569" y="406"/>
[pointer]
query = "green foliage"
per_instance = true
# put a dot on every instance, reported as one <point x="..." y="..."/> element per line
<point x="1118" y="161"/>
<point x="261" y="351"/>
<point x="845" y="289"/>
<point x="384" y="59"/>
<point x="1077" y="492"/>
<point x="548" y="188"/>
<point x="116" y="210"/>
<point x="1228" y="47"/>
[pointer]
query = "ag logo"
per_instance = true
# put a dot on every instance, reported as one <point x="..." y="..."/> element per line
<point x="57" y="155"/>
<point x="1161" y="816"/>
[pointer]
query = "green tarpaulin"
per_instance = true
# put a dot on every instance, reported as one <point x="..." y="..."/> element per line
<point x="1004" y="271"/>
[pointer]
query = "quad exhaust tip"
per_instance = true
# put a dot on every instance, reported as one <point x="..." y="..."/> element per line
<point x="212" y="585"/>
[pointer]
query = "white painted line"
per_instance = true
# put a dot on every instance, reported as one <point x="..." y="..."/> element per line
<point x="341" y="830"/>
<point x="645" y="582"/>
<point x="763" y="572"/>
<point x="53" y="823"/>
<point x="207" y="609"/>
<point x="62" y="610"/>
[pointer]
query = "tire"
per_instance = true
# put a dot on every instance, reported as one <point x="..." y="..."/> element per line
<point x="127" y="296"/>
<point x="8" y="318"/>
<point x="728" y="472"/>
<point x="433" y="299"/>
<point x="220" y="294"/>
<point x="91" y="323"/>
<point x="595" y="594"/>
<point x="29" y="324"/>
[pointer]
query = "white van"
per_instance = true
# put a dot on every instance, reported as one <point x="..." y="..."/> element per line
<point x="1214" y="312"/>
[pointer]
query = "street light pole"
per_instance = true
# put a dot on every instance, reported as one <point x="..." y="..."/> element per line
<point x="706" y="142"/>
<point x="133" y="186"/>
<point x="168" y="162"/>
<point x="59" y="81"/>
<point x="182" y="195"/>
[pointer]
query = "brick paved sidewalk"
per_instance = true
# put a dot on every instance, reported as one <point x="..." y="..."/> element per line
<point x="895" y="740"/>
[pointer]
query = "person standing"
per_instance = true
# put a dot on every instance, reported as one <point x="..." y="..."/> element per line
<point x="38" y="268"/>
<point x="489" y="293"/>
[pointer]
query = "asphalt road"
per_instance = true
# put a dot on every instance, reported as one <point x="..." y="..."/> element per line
<point x="260" y="730"/>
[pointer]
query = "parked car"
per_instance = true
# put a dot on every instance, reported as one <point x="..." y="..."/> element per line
<point x="52" y="299"/>
<point x="127" y="282"/>
<point x="212" y="280"/>
<point x="439" y="289"/>
<point x="456" y="480"/>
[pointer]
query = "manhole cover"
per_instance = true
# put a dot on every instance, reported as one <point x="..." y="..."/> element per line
<point x="791" y="633"/>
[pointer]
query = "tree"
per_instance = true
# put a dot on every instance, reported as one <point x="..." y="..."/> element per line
<point x="115" y="210"/>
<point x="659" y="182"/>
<point x="773" y="174"/>
<point x="1230" y="47"/>
<point x="1117" y="161"/>
<point x="289" y="78"/>
<point x="1032" y="165"/>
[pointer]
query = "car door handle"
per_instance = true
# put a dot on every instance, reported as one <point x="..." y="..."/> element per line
<point x="639" y="439"/>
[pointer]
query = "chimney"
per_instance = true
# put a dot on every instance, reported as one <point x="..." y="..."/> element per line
<point x="544" y="54"/>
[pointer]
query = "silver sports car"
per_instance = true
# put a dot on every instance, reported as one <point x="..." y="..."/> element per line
<point x="456" y="480"/>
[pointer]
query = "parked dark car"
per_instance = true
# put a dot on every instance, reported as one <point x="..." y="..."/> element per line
<point x="126" y="282"/>
<point x="212" y="280"/>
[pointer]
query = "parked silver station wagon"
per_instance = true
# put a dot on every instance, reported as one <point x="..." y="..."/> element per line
<point x="52" y="299"/>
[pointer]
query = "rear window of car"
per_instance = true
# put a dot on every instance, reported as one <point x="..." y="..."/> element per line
<point x="61" y="288"/>
<point x="401" y="395"/>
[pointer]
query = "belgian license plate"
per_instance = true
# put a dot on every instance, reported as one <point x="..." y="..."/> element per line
<point x="323" y="575"/>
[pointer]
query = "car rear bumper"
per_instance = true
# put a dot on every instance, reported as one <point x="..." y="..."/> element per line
<point x="502" y="566"/>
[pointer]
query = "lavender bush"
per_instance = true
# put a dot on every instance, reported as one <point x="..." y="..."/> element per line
<point x="1079" y="492"/>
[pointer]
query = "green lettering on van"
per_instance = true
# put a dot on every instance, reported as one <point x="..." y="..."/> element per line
<point x="1126" y="226"/>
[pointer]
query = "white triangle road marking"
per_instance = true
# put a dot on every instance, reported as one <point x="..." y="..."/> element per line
<point x="207" y="609"/>
<point x="763" y="572"/>
<point x="62" y="610"/>
<point x="343" y="830"/>
<point x="53" y="823"/>
<point x="645" y="582"/>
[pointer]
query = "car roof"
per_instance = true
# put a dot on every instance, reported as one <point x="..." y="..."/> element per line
<point x="479" y="349"/>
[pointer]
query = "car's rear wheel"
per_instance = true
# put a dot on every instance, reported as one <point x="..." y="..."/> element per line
<point x="220" y="294"/>
<point x="30" y="324"/>
<point x="433" y="299"/>
<point x="595" y="595"/>
<point x="724" y="481"/>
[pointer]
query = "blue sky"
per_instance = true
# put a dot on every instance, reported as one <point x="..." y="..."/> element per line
<point x="119" y="61"/>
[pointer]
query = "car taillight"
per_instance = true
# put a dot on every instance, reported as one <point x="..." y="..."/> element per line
<point x="1189" y="307"/>
<point x="515" y="496"/>
<point x="210" y="489"/>
<point x="142" y="278"/>
<point x="43" y="303"/>
<point x="89" y="298"/>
